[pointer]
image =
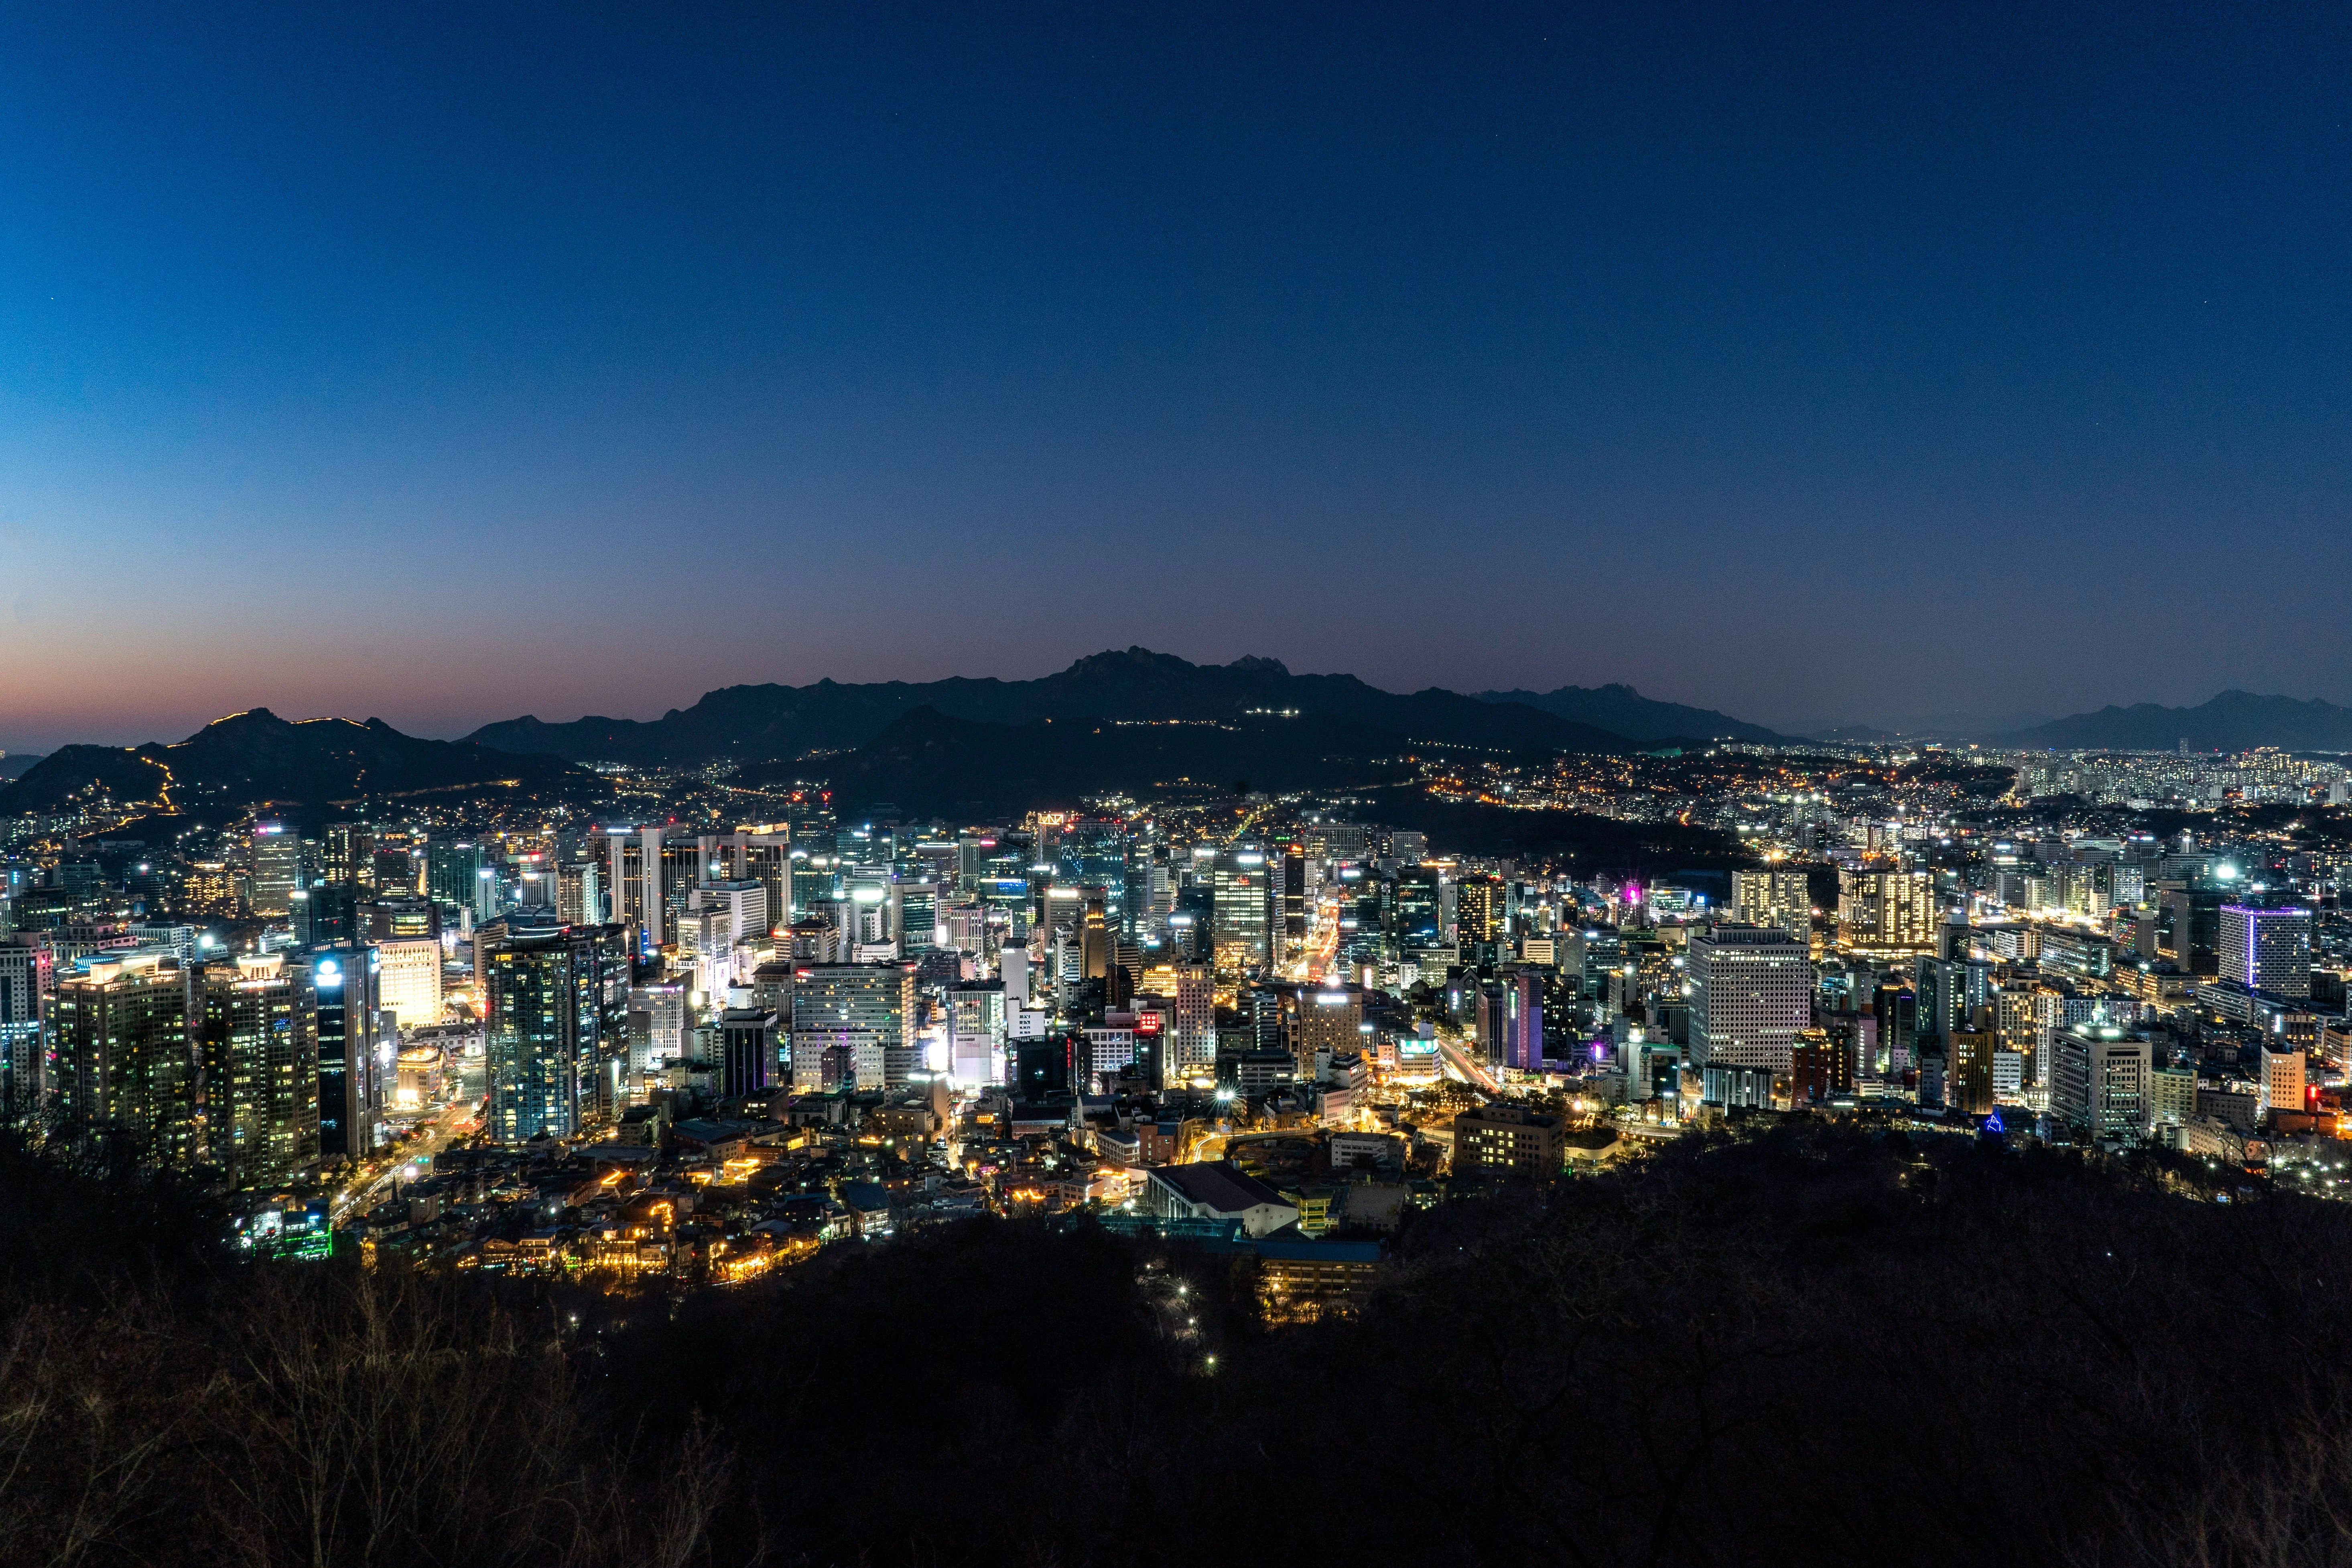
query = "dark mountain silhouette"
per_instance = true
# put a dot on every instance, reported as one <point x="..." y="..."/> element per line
<point x="2232" y="722"/>
<point x="15" y="764"/>
<point x="250" y="758"/>
<point x="929" y="763"/>
<point x="756" y="724"/>
<point x="1624" y="710"/>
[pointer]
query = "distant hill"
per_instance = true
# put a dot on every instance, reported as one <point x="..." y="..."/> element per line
<point x="930" y="765"/>
<point x="17" y="764"/>
<point x="1627" y="712"/>
<point x="758" y="723"/>
<point x="256" y="757"/>
<point x="2232" y="722"/>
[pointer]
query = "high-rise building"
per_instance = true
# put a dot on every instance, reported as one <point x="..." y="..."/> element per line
<point x="1323" y="1018"/>
<point x="260" y="1054"/>
<point x="976" y="1032"/>
<point x="868" y="1009"/>
<point x="1968" y="1078"/>
<point x="747" y="1037"/>
<point x="2283" y="1075"/>
<point x="27" y="979"/>
<point x="1243" y="889"/>
<point x="2100" y="1082"/>
<point x="453" y="876"/>
<point x="556" y="1005"/>
<point x="343" y="981"/>
<point x="2266" y="950"/>
<point x="1193" y="1042"/>
<point x="1891" y="912"/>
<point x="1751" y="997"/>
<point x="580" y="893"/>
<point x="1771" y="898"/>
<point x="348" y="854"/>
<point x="410" y="980"/>
<point x="277" y="870"/>
<point x="126" y="1054"/>
<point x="1413" y="916"/>
<point x="1478" y="910"/>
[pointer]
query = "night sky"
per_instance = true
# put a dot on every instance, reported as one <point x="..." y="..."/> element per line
<point x="1813" y="364"/>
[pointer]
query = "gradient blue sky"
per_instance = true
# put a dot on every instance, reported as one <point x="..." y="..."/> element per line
<point x="449" y="362"/>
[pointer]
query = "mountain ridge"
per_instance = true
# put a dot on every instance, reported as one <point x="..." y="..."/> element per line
<point x="2230" y="720"/>
<point x="256" y="758"/>
<point x="1618" y="707"/>
<point x="772" y="721"/>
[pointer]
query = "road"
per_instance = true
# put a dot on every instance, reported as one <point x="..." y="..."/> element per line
<point x="453" y="1120"/>
<point x="1472" y="1071"/>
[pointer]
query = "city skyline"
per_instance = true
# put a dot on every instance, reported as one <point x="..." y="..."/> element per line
<point x="366" y="366"/>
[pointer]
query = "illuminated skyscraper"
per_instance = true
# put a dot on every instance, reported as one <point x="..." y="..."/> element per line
<point x="1891" y="912"/>
<point x="1770" y="897"/>
<point x="276" y="869"/>
<point x="866" y="1009"/>
<point x="1241" y="898"/>
<point x="1751" y="997"/>
<point x="27" y="981"/>
<point x="555" y="1024"/>
<point x="347" y="1010"/>
<point x="259" y="1050"/>
<point x="2266" y="950"/>
<point x="126" y="1054"/>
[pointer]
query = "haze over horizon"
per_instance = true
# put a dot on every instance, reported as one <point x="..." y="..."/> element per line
<point x="1818" y="366"/>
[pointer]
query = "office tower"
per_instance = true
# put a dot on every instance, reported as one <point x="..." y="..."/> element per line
<point x="126" y="1054"/>
<point x="259" y="1053"/>
<point x="745" y="914"/>
<point x="1294" y="893"/>
<point x="392" y="868"/>
<point x="327" y="912"/>
<point x="1192" y="923"/>
<point x="1408" y="848"/>
<point x="634" y="867"/>
<point x="1240" y="893"/>
<point x="27" y="978"/>
<point x="866" y="1009"/>
<point x="1194" y="1043"/>
<point x="663" y="1005"/>
<point x="2189" y="927"/>
<point x="1523" y="1022"/>
<point x="410" y="980"/>
<point x="747" y="1038"/>
<point x="2099" y="1082"/>
<point x="345" y="1003"/>
<point x="276" y="869"/>
<point x="348" y="854"/>
<point x="976" y="1032"/>
<point x="556" y="1000"/>
<point x="405" y="917"/>
<point x="1967" y="1077"/>
<point x="580" y="893"/>
<point x="1320" y="1019"/>
<point x="1821" y="1068"/>
<point x="1413" y="913"/>
<point x="1751" y="996"/>
<point x="1770" y="898"/>
<point x="2266" y="950"/>
<point x="454" y="878"/>
<point x="2284" y="1071"/>
<point x="915" y="916"/>
<point x="1950" y="990"/>
<point x="1478" y="910"/>
<point x="764" y="855"/>
<point x="1891" y="912"/>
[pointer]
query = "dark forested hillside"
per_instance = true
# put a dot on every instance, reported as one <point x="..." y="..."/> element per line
<point x="1814" y="1345"/>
